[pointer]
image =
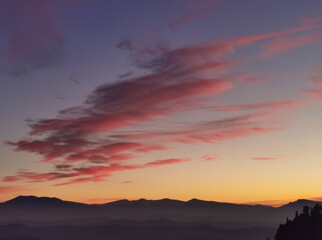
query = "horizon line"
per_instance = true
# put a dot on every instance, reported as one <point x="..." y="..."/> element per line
<point x="273" y="203"/>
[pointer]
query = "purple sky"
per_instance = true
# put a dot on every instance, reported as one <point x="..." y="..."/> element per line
<point x="210" y="99"/>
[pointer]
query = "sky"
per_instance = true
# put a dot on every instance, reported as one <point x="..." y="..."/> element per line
<point x="212" y="99"/>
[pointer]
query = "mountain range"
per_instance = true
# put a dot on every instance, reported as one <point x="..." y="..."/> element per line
<point x="43" y="210"/>
<point x="44" y="218"/>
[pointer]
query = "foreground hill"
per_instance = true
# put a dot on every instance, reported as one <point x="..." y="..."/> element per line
<point x="37" y="211"/>
<point x="304" y="226"/>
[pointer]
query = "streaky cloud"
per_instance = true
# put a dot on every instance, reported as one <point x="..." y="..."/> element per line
<point x="287" y="43"/>
<point x="269" y="158"/>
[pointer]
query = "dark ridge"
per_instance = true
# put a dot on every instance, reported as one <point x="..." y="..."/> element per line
<point x="166" y="202"/>
<point x="121" y="202"/>
<point x="24" y="201"/>
<point x="300" y="203"/>
<point x="33" y="201"/>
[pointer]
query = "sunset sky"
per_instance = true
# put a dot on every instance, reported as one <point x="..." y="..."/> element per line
<point x="212" y="99"/>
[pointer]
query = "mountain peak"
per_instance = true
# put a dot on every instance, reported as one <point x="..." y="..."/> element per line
<point x="142" y="200"/>
<point x="300" y="203"/>
<point x="195" y="200"/>
<point x="31" y="198"/>
<point x="198" y="201"/>
<point x="34" y="201"/>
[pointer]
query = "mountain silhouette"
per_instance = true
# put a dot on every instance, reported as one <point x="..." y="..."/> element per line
<point x="44" y="218"/>
<point x="32" y="210"/>
<point x="40" y="202"/>
<point x="300" y="203"/>
<point x="304" y="226"/>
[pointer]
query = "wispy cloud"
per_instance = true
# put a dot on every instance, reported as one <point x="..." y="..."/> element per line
<point x="273" y="106"/>
<point x="211" y="131"/>
<point x="211" y="157"/>
<point x="85" y="174"/>
<point x="314" y="92"/>
<point x="267" y="158"/>
<point x="197" y="8"/>
<point x="127" y="182"/>
<point x="287" y="43"/>
<point x="166" y="162"/>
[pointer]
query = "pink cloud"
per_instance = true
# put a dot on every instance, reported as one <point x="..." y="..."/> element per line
<point x="82" y="174"/>
<point x="41" y="177"/>
<point x="86" y="174"/>
<point x="314" y="92"/>
<point x="198" y="8"/>
<point x="147" y="100"/>
<point x="120" y="157"/>
<point x="10" y="179"/>
<point x="51" y="147"/>
<point x="165" y="162"/>
<point x="159" y="57"/>
<point x="211" y="158"/>
<point x="173" y="86"/>
<point x="305" y="24"/>
<point x="247" y="78"/>
<point x="274" y="106"/>
<point x="97" y="178"/>
<point x="100" y="173"/>
<point x="283" y="44"/>
<point x="224" y="135"/>
<point x="127" y="182"/>
<point x="270" y="158"/>
<point x="150" y="148"/>
<point x="101" y="158"/>
<point x="211" y="131"/>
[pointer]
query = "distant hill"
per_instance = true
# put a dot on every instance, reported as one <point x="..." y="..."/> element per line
<point x="34" y="211"/>
<point x="118" y="232"/>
